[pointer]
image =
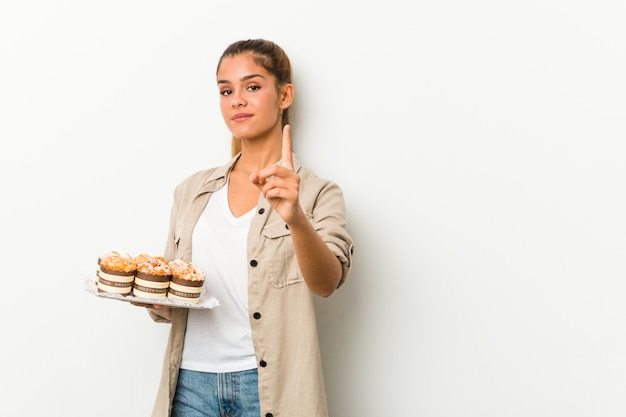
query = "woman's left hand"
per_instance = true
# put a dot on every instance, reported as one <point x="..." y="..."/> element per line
<point x="280" y="184"/>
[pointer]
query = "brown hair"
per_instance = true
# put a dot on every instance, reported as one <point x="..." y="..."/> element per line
<point x="271" y="57"/>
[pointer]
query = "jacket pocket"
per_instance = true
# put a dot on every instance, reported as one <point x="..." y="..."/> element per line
<point x="281" y="266"/>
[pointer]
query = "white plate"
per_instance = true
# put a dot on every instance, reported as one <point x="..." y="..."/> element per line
<point x="204" y="301"/>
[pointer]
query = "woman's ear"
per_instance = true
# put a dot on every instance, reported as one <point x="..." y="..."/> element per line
<point x="287" y="93"/>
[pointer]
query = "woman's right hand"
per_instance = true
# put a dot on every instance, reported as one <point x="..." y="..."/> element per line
<point x="159" y="310"/>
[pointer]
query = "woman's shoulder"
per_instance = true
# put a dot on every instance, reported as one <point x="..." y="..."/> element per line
<point x="315" y="188"/>
<point x="196" y="178"/>
<point x="199" y="176"/>
<point x="310" y="178"/>
<point x="207" y="175"/>
<point x="209" y="179"/>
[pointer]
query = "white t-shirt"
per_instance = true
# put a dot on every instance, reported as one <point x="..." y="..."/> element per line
<point x="220" y="339"/>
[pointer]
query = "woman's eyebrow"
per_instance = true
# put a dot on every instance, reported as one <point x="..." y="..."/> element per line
<point x="244" y="78"/>
<point x="247" y="77"/>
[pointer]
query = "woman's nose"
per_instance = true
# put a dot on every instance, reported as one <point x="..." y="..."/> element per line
<point x="237" y="100"/>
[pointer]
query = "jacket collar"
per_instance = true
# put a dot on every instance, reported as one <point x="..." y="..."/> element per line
<point x="217" y="178"/>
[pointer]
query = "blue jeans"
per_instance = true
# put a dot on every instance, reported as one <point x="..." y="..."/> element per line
<point x="206" y="394"/>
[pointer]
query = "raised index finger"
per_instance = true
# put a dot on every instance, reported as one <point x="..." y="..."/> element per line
<point x="287" y="160"/>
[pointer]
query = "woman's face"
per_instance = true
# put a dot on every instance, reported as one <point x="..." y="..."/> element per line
<point x="249" y="101"/>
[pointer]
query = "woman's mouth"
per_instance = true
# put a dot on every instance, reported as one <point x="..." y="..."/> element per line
<point x="241" y="117"/>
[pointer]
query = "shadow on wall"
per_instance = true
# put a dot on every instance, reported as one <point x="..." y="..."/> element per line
<point x="341" y="326"/>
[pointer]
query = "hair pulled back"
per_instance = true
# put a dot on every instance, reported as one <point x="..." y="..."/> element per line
<point x="272" y="58"/>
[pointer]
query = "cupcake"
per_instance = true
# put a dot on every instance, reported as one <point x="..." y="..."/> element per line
<point x="116" y="273"/>
<point x="152" y="278"/>
<point x="187" y="281"/>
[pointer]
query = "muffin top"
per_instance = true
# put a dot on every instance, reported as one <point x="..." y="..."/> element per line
<point x="185" y="270"/>
<point x="154" y="265"/>
<point x="117" y="261"/>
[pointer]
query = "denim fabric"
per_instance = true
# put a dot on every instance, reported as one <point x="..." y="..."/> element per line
<point x="206" y="394"/>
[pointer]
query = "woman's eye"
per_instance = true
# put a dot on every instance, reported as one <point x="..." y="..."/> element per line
<point x="254" y="87"/>
<point x="226" y="92"/>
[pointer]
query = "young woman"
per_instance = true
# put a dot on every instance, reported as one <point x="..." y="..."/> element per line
<point x="269" y="235"/>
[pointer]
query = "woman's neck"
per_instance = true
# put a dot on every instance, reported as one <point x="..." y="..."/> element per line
<point x="256" y="156"/>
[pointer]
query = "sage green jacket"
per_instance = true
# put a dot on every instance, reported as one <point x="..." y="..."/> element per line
<point x="280" y="304"/>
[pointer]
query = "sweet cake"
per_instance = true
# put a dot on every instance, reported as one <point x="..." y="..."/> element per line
<point x="187" y="281"/>
<point x="152" y="278"/>
<point x="116" y="273"/>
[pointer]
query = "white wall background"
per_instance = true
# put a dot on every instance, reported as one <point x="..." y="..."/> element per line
<point x="480" y="146"/>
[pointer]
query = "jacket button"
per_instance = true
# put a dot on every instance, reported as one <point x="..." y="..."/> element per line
<point x="287" y="226"/>
<point x="261" y="210"/>
<point x="263" y="364"/>
<point x="253" y="262"/>
<point x="257" y="315"/>
<point x="269" y="415"/>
